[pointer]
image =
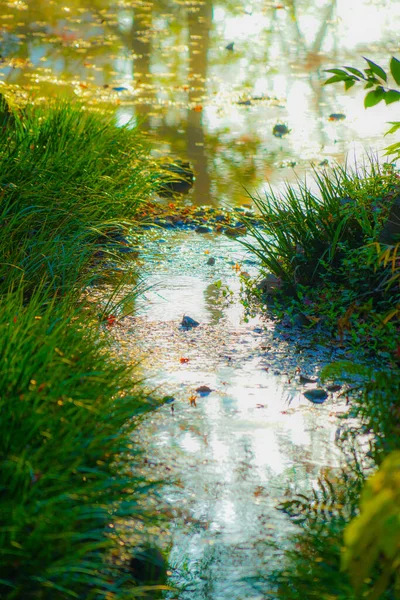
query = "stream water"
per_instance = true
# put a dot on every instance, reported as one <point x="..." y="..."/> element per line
<point x="209" y="79"/>
<point x="236" y="452"/>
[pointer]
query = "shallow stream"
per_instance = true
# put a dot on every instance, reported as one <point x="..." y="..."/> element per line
<point x="209" y="80"/>
<point x="236" y="452"/>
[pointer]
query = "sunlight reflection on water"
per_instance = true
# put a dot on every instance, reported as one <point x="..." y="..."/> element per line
<point x="238" y="450"/>
<point x="169" y="66"/>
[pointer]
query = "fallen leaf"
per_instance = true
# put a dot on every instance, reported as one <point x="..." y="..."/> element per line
<point x="184" y="360"/>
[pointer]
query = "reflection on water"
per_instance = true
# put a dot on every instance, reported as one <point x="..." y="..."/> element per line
<point x="241" y="448"/>
<point x="211" y="78"/>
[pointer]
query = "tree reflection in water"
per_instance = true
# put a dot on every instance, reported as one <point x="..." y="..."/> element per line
<point x="166" y="63"/>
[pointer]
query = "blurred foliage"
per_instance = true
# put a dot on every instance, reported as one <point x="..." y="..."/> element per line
<point x="375" y="79"/>
<point x="372" y="539"/>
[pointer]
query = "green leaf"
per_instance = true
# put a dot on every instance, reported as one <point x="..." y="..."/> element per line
<point x="374" y="97"/>
<point x="355" y="72"/>
<point x="348" y="84"/>
<point x="335" y="79"/>
<point x="371" y="77"/>
<point x="337" y="72"/>
<point x="395" y="69"/>
<point x="368" y="85"/>
<point x="393" y="150"/>
<point x="396" y="126"/>
<point x="392" y="96"/>
<point x="376" y="69"/>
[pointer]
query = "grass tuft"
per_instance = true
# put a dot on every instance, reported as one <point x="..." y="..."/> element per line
<point x="68" y="459"/>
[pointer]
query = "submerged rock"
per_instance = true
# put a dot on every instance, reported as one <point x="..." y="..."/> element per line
<point x="334" y="387"/>
<point x="336" y="117"/>
<point x="168" y="399"/>
<point x="317" y="396"/>
<point x="204" y="390"/>
<point x="304" y="379"/>
<point x="211" y="261"/>
<point x="271" y="284"/>
<point x="280" y="130"/>
<point x="188" y="322"/>
<point x="203" y="229"/>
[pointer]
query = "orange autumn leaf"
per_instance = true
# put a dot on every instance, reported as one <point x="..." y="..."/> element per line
<point x="184" y="360"/>
<point x="198" y="108"/>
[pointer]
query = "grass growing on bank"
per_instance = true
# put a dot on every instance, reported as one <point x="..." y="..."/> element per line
<point x="69" y="407"/>
<point x="333" y="264"/>
<point x="325" y="250"/>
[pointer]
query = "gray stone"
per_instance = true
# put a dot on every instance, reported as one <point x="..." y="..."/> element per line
<point x="317" y="396"/>
<point x="203" y="390"/>
<point x="280" y="130"/>
<point x="211" y="261"/>
<point x="203" y="229"/>
<point x="188" y="322"/>
<point x="271" y="284"/>
<point x="305" y="380"/>
<point x="334" y="387"/>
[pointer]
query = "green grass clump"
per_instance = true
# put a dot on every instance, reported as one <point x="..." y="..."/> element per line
<point x="67" y="176"/>
<point x="68" y="412"/>
<point x="69" y="407"/>
<point x="324" y="248"/>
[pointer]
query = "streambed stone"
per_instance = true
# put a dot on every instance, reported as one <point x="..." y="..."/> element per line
<point x="317" y="395"/>
<point x="188" y="322"/>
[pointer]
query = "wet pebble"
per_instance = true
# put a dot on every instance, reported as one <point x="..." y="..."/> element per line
<point x="336" y="117"/>
<point x="304" y="379"/>
<point x="203" y="229"/>
<point x="280" y="130"/>
<point x="317" y="396"/>
<point x="211" y="261"/>
<point x="188" y="322"/>
<point x="334" y="387"/>
<point x="203" y="390"/>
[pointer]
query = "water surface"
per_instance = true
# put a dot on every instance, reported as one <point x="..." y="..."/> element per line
<point x="239" y="450"/>
<point x="210" y="79"/>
